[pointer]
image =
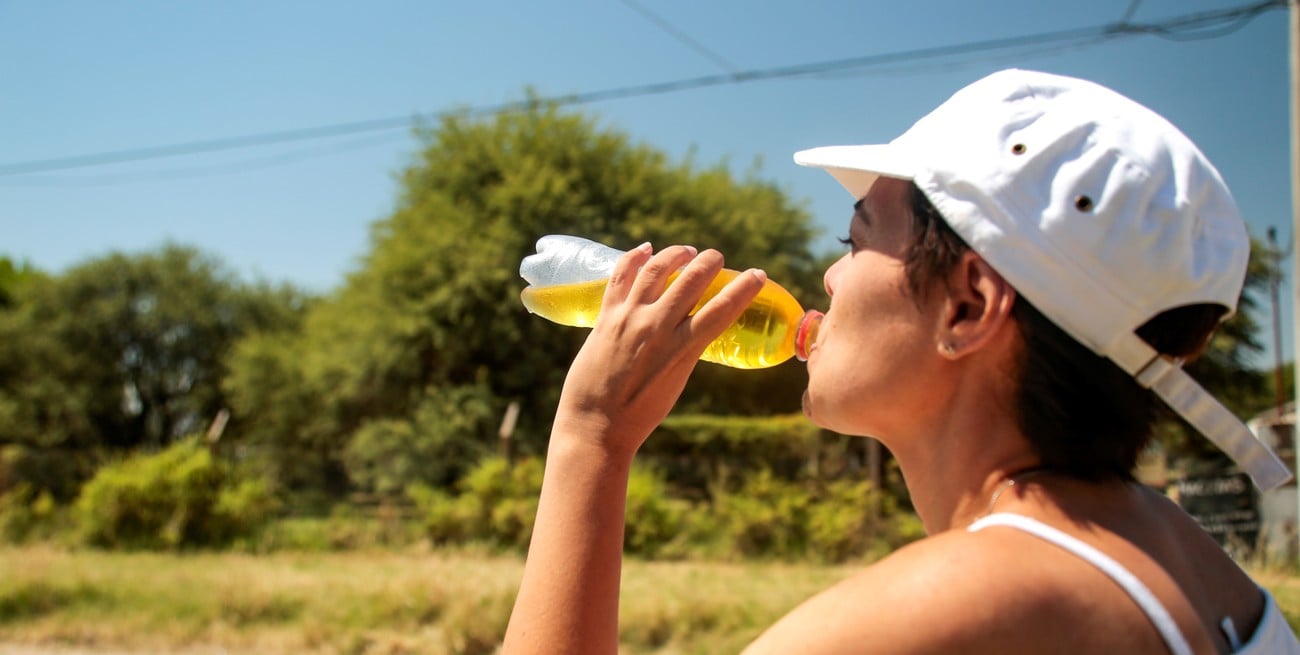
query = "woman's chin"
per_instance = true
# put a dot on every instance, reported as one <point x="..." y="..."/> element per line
<point x="809" y="410"/>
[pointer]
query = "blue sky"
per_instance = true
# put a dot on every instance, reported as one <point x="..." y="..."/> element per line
<point x="85" y="78"/>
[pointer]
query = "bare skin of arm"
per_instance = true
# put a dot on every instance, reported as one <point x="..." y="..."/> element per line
<point x="626" y="378"/>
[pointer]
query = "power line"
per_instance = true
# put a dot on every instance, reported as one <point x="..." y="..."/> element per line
<point x="1184" y="28"/>
<point x="1132" y="8"/>
<point x="210" y="145"/>
<point x="1178" y="33"/>
<point x="682" y="36"/>
<point x="1180" y="28"/>
<point x="209" y="170"/>
<point x="949" y="65"/>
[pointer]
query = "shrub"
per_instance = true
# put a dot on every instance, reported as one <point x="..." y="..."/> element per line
<point x="53" y="470"/>
<point x="26" y="514"/>
<point x="497" y="504"/>
<point x="824" y="521"/>
<point x="434" y="448"/>
<point x="840" y="524"/>
<point x="175" y="498"/>
<point x="766" y="516"/>
<point x="697" y="451"/>
<point x="654" y="521"/>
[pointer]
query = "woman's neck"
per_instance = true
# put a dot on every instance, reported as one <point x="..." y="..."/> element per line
<point x="953" y="471"/>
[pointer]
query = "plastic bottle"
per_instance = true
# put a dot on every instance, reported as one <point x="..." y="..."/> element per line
<point x="567" y="279"/>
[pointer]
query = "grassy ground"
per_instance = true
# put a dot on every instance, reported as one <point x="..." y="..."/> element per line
<point x="372" y="602"/>
<point x="375" y="602"/>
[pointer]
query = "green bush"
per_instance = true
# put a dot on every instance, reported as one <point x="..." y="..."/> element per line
<point x="841" y="524"/>
<point x="497" y="504"/>
<point x="434" y="448"/>
<point x="831" y="521"/>
<point x="26" y="515"/>
<point x="654" y="521"/>
<point x="698" y="451"/>
<point x="179" y="497"/>
<point x="763" y="515"/>
<point x="767" y="516"/>
<point x="53" y="470"/>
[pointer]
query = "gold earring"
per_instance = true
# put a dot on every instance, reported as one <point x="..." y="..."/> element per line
<point x="949" y="349"/>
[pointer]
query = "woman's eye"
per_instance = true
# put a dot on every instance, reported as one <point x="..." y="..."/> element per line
<point x="847" y="241"/>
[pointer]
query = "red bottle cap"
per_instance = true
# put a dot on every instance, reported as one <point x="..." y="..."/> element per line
<point x="805" y="336"/>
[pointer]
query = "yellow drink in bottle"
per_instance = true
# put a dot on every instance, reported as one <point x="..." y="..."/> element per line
<point x="773" y="329"/>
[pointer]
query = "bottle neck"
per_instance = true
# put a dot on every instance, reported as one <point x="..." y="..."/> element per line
<point x="805" y="336"/>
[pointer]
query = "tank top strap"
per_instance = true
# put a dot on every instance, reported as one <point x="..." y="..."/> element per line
<point x="1149" y="604"/>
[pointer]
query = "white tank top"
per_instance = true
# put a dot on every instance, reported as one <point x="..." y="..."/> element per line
<point x="1273" y="635"/>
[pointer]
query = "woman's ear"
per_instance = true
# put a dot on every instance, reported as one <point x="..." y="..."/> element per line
<point x="976" y="308"/>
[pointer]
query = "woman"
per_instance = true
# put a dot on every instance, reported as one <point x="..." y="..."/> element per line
<point x="1025" y="263"/>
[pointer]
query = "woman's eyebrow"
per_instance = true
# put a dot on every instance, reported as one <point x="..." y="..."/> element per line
<point x="860" y="211"/>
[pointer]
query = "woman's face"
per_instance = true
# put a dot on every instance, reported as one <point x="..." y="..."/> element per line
<point x="876" y="353"/>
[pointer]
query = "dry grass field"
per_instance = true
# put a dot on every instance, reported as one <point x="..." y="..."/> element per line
<point x="74" y="602"/>
<point x="54" y="600"/>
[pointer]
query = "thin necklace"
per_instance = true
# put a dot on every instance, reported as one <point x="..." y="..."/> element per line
<point x="1008" y="483"/>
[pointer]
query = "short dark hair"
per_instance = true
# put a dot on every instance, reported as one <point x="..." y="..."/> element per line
<point x="1082" y="414"/>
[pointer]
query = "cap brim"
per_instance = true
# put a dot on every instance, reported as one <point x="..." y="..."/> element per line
<point x="856" y="168"/>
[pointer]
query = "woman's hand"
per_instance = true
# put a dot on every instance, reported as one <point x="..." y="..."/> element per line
<point x="621" y="385"/>
<point x="645" y="343"/>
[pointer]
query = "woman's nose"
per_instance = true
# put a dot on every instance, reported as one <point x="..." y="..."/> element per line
<point x="832" y="275"/>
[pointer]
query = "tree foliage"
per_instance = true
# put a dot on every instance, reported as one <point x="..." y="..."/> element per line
<point x="120" y="352"/>
<point x="13" y="276"/>
<point x="433" y="448"/>
<point x="435" y="304"/>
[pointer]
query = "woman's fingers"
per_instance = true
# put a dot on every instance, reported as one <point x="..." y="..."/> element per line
<point x="676" y="279"/>
<point x="671" y="284"/>
<point x="692" y="283"/>
<point x="625" y="274"/>
<point x="658" y="272"/>
<point x="723" y="309"/>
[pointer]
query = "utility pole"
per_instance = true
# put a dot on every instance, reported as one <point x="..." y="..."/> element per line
<point x="1275" y="257"/>
<point x="1293" y="36"/>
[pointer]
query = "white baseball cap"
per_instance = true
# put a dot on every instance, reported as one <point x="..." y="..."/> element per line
<point x="1096" y="209"/>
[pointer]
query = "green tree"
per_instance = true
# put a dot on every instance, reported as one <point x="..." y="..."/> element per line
<point x="120" y="352"/>
<point x="435" y="301"/>
<point x="12" y="276"/>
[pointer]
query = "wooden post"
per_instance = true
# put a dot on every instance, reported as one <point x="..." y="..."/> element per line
<point x="506" y="433"/>
<point x="217" y="427"/>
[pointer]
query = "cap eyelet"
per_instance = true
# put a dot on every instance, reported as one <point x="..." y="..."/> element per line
<point x="1018" y="149"/>
<point x="1083" y="203"/>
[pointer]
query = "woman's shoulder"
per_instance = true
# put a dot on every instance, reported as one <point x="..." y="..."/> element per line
<point x="952" y="592"/>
